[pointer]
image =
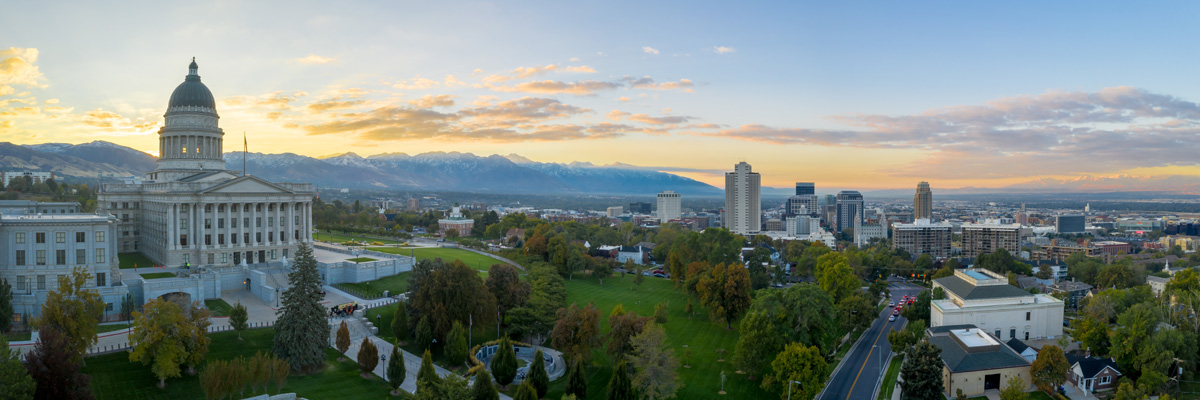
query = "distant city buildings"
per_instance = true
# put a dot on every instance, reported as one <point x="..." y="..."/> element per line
<point x="849" y="207"/>
<point x="987" y="238"/>
<point x="923" y="237"/>
<point x="456" y="222"/>
<point x="614" y="211"/>
<point x="923" y="202"/>
<point x="35" y="176"/>
<point x="414" y="205"/>
<point x="670" y="206"/>
<point x="804" y="202"/>
<point x="639" y="208"/>
<point x="743" y="204"/>
<point x="1069" y="224"/>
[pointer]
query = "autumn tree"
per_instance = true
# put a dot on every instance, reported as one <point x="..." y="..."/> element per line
<point x="1049" y="370"/>
<point x="301" y="332"/>
<point x="342" y="342"/>
<point x="196" y="344"/>
<point x="368" y="356"/>
<point x="14" y="378"/>
<point x="725" y="292"/>
<point x="526" y="391"/>
<point x="657" y="368"/>
<point x="453" y="387"/>
<point x="75" y="310"/>
<point x="577" y="331"/>
<point x="505" y="284"/>
<point x="456" y="345"/>
<point x="504" y="363"/>
<point x="660" y="313"/>
<point x="238" y="317"/>
<point x="537" y="376"/>
<point x="396" y="372"/>
<point x="623" y="327"/>
<point x="53" y="366"/>
<point x="799" y="363"/>
<point x="922" y="372"/>
<point x="160" y="338"/>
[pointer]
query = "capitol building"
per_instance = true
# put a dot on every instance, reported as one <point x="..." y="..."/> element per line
<point x="192" y="212"/>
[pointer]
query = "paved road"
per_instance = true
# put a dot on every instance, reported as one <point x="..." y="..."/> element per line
<point x="860" y="370"/>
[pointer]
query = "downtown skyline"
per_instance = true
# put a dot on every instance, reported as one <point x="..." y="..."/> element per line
<point x="959" y="95"/>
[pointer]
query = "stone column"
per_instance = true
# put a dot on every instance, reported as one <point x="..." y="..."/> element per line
<point x="241" y="208"/>
<point x="306" y="222"/>
<point x="200" y="238"/>
<point x="291" y="221"/>
<point x="170" y="233"/>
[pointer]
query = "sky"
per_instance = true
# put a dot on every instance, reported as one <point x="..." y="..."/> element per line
<point x="866" y="95"/>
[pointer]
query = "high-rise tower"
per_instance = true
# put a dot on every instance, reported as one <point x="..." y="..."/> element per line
<point x="743" y="214"/>
<point x="923" y="202"/>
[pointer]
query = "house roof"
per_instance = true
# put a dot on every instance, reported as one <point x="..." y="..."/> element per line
<point x="957" y="359"/>
<point x="1017" y="345"/>
<point x="967" y="291"/>
<point x="1091" y="366"/>
<point x="1070" y="286"/>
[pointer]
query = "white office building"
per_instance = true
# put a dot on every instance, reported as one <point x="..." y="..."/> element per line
<point x="985" y="299"/>
<point x="669" y="206"/>
<point x="743" y="204"/>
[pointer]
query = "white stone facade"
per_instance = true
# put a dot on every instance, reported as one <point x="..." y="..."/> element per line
<point x="670" y="206"/>
<point x="1006" y="313"/>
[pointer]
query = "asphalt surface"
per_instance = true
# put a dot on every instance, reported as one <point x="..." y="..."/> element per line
<point x="860" y="372"/>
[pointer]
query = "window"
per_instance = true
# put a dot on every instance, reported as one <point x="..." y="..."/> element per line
<point x="125" y="217"/>
<point x="257" y="237"/>
<point x="998" y="334"/>
<point x="80" y="256"/>
<point x="108" y="307"/>
<point x="20" y="237"/>
<point x="20" y="257"/>
<point x="80" y="237"/>
<point x="125" y="204"/>
<point x="285" y="253"/>
<point x="258" y="222"/>
<point x="270" y="222"/>
<point x="246" y="222"/>
<point x="282" y="220"/>
<point x="184" y="150"/>
<point x="221" y="223"/>
<point x="1104" y="380"/>
<point x="187" y="259"/>
<point x="41" y="283"/>
<point x="100" y="257"/>
<point x="207" y="223"/>
<point x="183" y="240"/>
<point x="282" y="236"/>
<point x="1012" y="333"/>
<point x="207" y="240"/>
<point x="182" y="223"/>
<point x="41" y="237"/>
<point x="233" y="238"/>
<point x="100" y="282"/>
<point x="1027" y="313"/>
<point x="60" y="237"/>
<point x="21" y="284"/>
<point x="220" y="239"/>
<point x="297" y="222"/>
<point x="270" y="236"/>
<point x="233" y="223"/>
<point x="246" y="238"/>
<point x="112" y="206"/>
<point x="297" y="234"/>
<point x="272" y="254"/>
<point x="60" y="257"/>
<point x="224" y="258"/>
<point x="1026" y="335"/>
<point x="135" y="205"/>
<point x="41" y="257"/>
<point x="99" y="236"/>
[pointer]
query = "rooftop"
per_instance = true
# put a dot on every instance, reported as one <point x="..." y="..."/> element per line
<point x="967" y="348"/>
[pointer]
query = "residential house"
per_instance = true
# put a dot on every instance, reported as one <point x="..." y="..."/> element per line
<point x="638" y="254"/>
<point x="1026" y="352"/>
<point x="1092" y="374"/>
<point x="1074" y="291"/>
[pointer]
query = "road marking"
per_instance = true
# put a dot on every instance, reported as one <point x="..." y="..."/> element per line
<point x="865" y="359"/>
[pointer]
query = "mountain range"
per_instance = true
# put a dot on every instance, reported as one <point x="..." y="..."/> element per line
<point x="466" y="172"/>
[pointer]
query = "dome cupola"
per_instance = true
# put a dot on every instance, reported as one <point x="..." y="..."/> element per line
<point x="192" y="92"/>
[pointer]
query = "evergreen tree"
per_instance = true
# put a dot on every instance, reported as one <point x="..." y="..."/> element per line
<point x="504" y="363"/>
<point x="537" y="374"/>
<point x="6" y="307"/>
<point x="53" y="366"/>
<point x="482" y="389"/>
<point x="14" y="378"/>
<point x="456" y="345"/>
<point x="368" y="356"/>
<point x="301" y="333"/>
<point x="237" y="318"/>
<point x="576" y="380"/>
<point x="395" y="370"/>
<point x="922" y="372"/>
<point x="619" y="386"/>
<point x="427" y="373"/>
<point x="526" y="392"/>
<point x="128" y="306"/>
<point x="424" y="336"/>
<point x="342" y="343"/>
<point x="400" y="322"/>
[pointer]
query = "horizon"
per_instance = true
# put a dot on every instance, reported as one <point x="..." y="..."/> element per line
<point x="833" y="94"/>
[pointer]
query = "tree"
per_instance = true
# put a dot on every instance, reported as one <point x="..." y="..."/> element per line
<point x="1135" y="327"/>
<point x="638" y="277"/>
<point x="920" y="309"/>
<point x="619" y="386"/>
<point x="922" y="372"/>
<point x="657" y="375"/>
<point x="280" y="369"/>
<point x="74" y="310"/>
<point x="128" y="306"/>
<point x="238" y="316"/>
<point x="400" y="322"/>
<point x="301" y="333"/>
<point x="14" y="378"/>
<point x="1014" y="390"/>
<point x="537" y="374"/>
<point x="577" y="331"/>
<point x="159" y="338"/>
<point x="427" y="373"/>
<point x="504" y="363"/>
<point x="6" y="307"/>
<point x="342" y="342"/>
<point x="857" y="312"/>
<point x="259" y="370"/>
<point x="368" y="356"/>
<point x="453" y="387"/>
<point x="505" y="284"/>
<point x="1050" y="368"/>
<point x="424" y="336"/>
<point x="801" y="363"/>
<point x="576" y="380"/>
<point x="602" y="270"/>
<point x="196" y="342"/>
<point x="660" y="313"/>
<point x="456" y="345"/>
<point x="903" y="339"/>
<point x="53" y="366"/>
<point x="725" y="291"/>
<point x="395" y="370"/>
<point x="1045" y="272"/>
<point x="483" y="389"/>
<point x="758" y="341"/>
<point x="623" y="327"/>
<point x="802" y="313"/>
<point x="442" y="298"/>
<point x="526" y="392"/>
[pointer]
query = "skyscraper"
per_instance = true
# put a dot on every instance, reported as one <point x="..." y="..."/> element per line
<point x="669" y="206"/>
<point x="923" y="202"/>
<point x="849" y="207"/>
<point x="805" y="188"/>
<point x="743" y="214"/>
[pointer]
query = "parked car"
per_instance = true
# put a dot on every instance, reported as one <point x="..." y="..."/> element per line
<point x="659" y="275"/>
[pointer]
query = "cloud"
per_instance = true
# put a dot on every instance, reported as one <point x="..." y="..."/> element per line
<point x="417" y="83"/>
<point x="430" y="101"/>
<point x="616" y="115"/>
<point x="17" y="67"/>
<point x="668" y="120"/>
<point x="451" y="81"/>
<point x="537" y="70"/>
<point x="623" y="99"/>
<point x="723" y="50"/>
<point x="649" y="50"/>
<point x="558" y="87"/>
<point x="646" y="82"/>
<point x="313" y="59"/>
<point x="335" y="103"/>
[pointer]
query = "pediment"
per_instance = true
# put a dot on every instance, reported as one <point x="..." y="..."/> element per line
<point x="246" y="184"/>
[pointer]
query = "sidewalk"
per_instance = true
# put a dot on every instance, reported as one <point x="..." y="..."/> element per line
<point x="412" y="364"/>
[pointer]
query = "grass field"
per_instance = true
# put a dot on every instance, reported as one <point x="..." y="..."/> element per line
<point x="889" y="380"/>
<point x="158" y="275"/>
<point x="219" y="307"/>
<point x="339" y="238"/>
<point x="361" y="259"/>
<point x="112" y="328"/>
<point x="473" y="260"/>
<point x="394" y="284"/>
<point x="114" y="377"/>
<point x="128" y="260"/>
<point x="18" y="336"/>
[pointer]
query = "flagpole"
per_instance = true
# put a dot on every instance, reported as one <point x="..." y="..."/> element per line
<point x="245" y="150"/>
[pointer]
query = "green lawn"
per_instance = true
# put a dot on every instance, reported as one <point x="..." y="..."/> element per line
<point x="473" y="260"/>
<point x="339" y="238"/>
<point x="219" y="307"/>
<point x="158" y="275"/>
<point x="128" y="260"/>
<point x="114" y="377"/>
<point x="889" y="380"/>
<point x="394" y="284"/>
<point x="362" y="259"/>
<point x="112" y="328"/>
<point x="18" y="336"/>
<point x="1038" y="395"/>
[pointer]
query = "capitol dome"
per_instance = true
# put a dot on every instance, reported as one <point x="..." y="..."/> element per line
<point x="192" y="93"/>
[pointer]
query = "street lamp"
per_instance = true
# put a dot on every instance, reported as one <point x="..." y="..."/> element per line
<point x="790" y="388"/>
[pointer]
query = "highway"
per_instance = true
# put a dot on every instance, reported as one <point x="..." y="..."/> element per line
<point x="860" y="372"/>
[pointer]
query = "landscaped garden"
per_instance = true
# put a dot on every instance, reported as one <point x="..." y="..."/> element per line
<point x="218" y="307"/>
<point x="129" y="260"/>
<point x="158" y="275"/>
<point x="111" y="328"/>
<point x="394" y="284"/>
<point x="115" y="377"/>
<point x="474" y="260"/>
<point x="342" y="238"/>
